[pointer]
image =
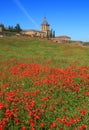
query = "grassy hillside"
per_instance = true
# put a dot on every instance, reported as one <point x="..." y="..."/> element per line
<point x="43" y="85"/>
<point x="42" y="51"/>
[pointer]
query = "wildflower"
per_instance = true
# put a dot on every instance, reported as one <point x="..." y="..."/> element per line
<point x="51" y="108"/>
<point x="61" y="129"/>
<point x="41" y="124"/>
<point x="77" y="119"/>
<point x="59" y="120"/>
<point x="1" y="128"/>
<point x="86" y="93"/>
<point x="27" y="93"/>
<point x="78" y="109"/>
<point x="32" y="123"/>
<point x="83" y="112"/>
<point x="68" y="123"/>
<point x="53" y="125"/>
<point x="16" y="120"/>
<point x="64" y="109"/>
<point x="32" y="128"/>
<point x="23" y="128"/>
<point x="77" y="89"/>
<point x="36" y="117"/>
<point x="64" y="118"/>
<point x="32" y="103"/>
<point x="1" y="106"/>
<point x="83" y="127"/>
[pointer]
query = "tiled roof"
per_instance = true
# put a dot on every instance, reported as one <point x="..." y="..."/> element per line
<point x="63" y="37"/>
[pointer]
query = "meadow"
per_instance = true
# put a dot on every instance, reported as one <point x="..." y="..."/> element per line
<point x="43" y="85"/>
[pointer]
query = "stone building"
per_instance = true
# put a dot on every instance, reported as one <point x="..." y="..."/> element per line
<point x="1" y="28"/>
<point x="62" y="39"/>
<point x="1" y="31"/>
<point x="44" y="32"/>
<point x="45" y="27"/>
<point x="33" y="33"/>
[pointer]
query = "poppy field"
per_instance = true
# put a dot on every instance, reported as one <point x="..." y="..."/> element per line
<point x="43" y="85"/>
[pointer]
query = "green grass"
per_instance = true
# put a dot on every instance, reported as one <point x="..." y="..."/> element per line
<point x="42" y="51"/>
<point x="32" y="94"/>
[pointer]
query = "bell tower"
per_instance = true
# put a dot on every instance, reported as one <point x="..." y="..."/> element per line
<point x="45" y="27"/>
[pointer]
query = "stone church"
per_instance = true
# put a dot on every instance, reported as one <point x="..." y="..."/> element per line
<point x="45" y="30"/>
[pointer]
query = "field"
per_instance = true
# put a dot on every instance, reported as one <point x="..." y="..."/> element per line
<point x="43" y="85"/>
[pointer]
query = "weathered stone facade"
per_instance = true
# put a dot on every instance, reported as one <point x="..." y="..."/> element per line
<point x="45" y="30"/>
<point x="0" y="28"/>
<point x="33" y="33"/>
<point x="45" y="27"/>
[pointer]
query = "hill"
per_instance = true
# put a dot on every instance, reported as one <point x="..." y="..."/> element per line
<point x="43" y="51"/>
<point x="43" y="85"/>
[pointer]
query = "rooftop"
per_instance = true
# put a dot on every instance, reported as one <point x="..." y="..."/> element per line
<point x="45" y="22"/>
<point x="63" y="37"/>
<point x="32" y="30"/>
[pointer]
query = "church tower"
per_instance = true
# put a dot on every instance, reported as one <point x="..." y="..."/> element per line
<point x="45" y="27"/>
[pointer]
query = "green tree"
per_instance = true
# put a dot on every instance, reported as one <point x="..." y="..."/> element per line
<point x="11" y="28"/>
<point x="3" y="28"/>
<point x="17" y="28"/>
<point x="53" y="34"/>
<point x="47" y="34"/>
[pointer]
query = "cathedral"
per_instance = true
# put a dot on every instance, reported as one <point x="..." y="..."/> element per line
<point x="44" y="32"/>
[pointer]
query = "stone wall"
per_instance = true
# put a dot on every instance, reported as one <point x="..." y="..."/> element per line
<point x="59" y="40"/>
<point x="0" y="29"/>
<point x="33" y="33"/>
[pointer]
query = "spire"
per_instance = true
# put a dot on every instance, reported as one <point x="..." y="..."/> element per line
<point x="45" y="19"/>
<point x="45" y="22"/>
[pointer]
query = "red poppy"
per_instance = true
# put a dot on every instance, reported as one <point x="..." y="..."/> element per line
<point x="1" y="128"/>
<point x="1" y="105"/>
<point x="83" y="112"/>
<point x="41" y="124"/>
<point x="53" y="125"/>
<point x="23" y="128"/>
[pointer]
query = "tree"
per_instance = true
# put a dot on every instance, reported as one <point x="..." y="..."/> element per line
<point x="2" y="25"/>
<point x="47" y="35"/>
<point x="11" y="28"/>
<point x="53" y="34"/>
<point x="17" y="28"/>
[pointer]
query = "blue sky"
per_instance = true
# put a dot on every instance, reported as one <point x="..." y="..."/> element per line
<point x="66" y="17"/>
